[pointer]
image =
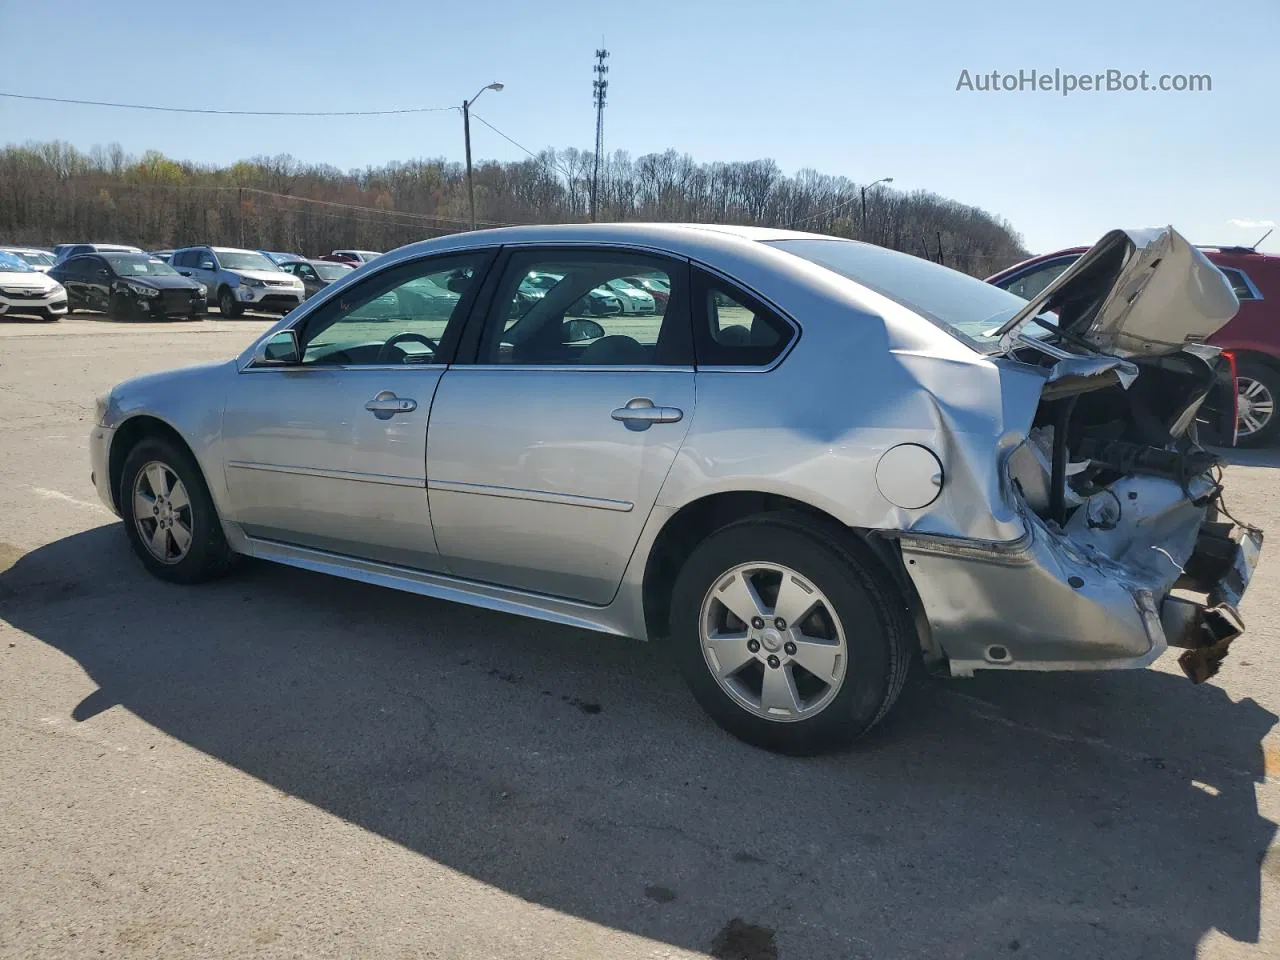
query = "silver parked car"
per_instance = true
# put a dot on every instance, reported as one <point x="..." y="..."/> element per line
<point x="239" y="280"/>
<point x="819" y="461"/>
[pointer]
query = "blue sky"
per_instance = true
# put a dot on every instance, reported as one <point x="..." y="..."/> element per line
<point x="860" y="89"/>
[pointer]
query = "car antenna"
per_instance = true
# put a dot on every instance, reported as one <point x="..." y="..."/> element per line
<point x="1254" y="248"/>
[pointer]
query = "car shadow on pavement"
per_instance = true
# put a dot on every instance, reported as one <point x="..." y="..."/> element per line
<point x="1243" y="457"/>
<point x="1059" y="815"/>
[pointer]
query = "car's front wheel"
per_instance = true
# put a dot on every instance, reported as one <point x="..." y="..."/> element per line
<point x="790" y="639"/>
<point x="120" y="307"/>
<point x="228" y="306"/>
<point x="169" y="515"/>
<point x="1258" y="388"/>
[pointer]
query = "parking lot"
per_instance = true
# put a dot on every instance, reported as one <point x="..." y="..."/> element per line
<point x="287" y="765"/>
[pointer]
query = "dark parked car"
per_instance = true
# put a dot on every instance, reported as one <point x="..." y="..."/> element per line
<point x="129" y="286"/>
<point x="1251" y="338"/>
<point x="316" y="274"/>
<point x="280" y="258"/>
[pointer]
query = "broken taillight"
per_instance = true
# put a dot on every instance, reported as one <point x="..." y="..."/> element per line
<point x="1235" y="396"/>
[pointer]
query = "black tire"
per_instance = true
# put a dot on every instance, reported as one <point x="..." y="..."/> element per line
<point x="877" y="629"/>
<point x="120" y="307"/>
<point x="1269" y="377"/>
<point x="208" y="556"/>
<point x="227" y="304"/>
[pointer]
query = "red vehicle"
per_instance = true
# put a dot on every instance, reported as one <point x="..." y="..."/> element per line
<point x="1252" y="337"/>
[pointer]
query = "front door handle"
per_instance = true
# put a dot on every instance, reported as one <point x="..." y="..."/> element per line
<point x="386" y="405"/>
<point x="641" y="414"/>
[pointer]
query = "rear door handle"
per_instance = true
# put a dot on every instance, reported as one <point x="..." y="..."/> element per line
<point x="641" y="414"/>
<point x="386" y="405"/>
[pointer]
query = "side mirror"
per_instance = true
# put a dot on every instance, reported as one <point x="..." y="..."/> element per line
<point x="104" y="273"/>
<point x="278" y="350"/>
<point x="207" y="265"/>
<point x="580" y="328"/>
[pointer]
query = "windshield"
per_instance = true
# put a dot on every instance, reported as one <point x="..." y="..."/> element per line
<point x="331" y="271"/>
<point x="953" y="300"/>
<point x="244" y="260"/>
<point x="138" y="265"/>
<point x="13" y="264"/>
<point x="36" y="258"/>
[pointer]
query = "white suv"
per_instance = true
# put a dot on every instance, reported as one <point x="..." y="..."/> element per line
<point x="239" y="279"/>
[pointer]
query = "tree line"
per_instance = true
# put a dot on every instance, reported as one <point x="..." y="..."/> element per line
<point x="54" y="193"/>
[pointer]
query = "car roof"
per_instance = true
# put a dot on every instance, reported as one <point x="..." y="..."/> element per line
<point x="683" y="237"/>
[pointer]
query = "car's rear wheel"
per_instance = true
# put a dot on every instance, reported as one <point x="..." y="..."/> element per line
<point x="790" y="639"/>
<point x="1258" y="389"/>
<point x="169" y="516"/>
<point x="227" y="304"/>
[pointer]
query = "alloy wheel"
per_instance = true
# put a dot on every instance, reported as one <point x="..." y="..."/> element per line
<point x="1255" y="406"/>
<point x="773" y="641"/>
<point x="162" y="512"/>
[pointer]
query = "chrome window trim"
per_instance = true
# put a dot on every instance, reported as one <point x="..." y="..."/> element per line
<point x="536" y="496"/>
<point x="250" y="367"/>
<point x="575" y="368"/>
<point x="381" y="478"/>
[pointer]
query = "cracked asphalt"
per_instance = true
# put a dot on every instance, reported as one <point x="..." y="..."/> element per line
<point x="287" y="765"/>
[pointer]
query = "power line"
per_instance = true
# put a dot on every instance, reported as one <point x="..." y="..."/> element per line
<point x="825" y="213"/>
<point x="229" y="113"/>
<point x="555" y="163"/>
<point x="400" y="214"/>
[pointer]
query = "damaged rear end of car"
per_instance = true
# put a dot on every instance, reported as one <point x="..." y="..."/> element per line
<point x="1128" y="548"/>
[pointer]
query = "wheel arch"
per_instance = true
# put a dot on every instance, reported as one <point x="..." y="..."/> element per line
<point x="699" y="518"/>
<point x="132" y="432"/>
<point x="1247" y="355"/>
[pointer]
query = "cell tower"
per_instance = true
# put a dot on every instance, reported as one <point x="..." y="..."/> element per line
<point x="600" y="86"/>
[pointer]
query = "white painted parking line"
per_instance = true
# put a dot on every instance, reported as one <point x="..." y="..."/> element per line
<point x="59" y="495"/>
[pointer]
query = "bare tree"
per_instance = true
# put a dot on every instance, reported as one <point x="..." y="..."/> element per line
<point x="52" y="192"/>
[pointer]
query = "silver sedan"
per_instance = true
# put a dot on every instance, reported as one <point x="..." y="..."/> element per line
<point x="819" y="462"/>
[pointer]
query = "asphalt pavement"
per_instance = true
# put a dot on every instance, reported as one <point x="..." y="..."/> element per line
<point x="287" y="765"/>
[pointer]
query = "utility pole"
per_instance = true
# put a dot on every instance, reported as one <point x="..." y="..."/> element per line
<point x="600" y="87"/>
<point x="466" y="134"/>
<point x="864" y="202"/>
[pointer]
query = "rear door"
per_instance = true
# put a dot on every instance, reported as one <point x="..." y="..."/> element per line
<point x="546" y="454"/>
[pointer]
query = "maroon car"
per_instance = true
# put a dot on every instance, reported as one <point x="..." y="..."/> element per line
<point x="1251" y="338"/>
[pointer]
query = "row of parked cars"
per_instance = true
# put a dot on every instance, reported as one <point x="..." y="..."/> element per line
<point x="127" y="282"/>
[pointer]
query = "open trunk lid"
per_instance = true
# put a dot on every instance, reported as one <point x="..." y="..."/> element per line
<point x="1135" y="293"/>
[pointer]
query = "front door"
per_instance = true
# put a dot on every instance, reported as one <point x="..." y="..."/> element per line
<point x="546" y="455"/>
<point x="330" y="452"/>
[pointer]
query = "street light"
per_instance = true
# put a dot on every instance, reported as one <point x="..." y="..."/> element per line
<point x="466" y="132"/>
<point x="864" y="200"/>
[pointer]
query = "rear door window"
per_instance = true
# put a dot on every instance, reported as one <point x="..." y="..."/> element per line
<point x="733" y="328"/>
